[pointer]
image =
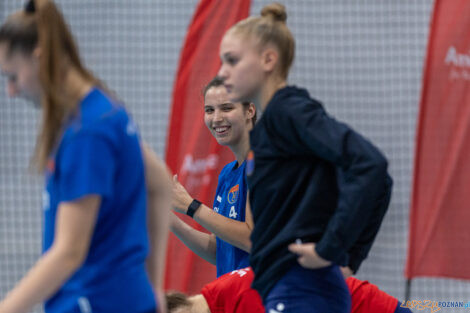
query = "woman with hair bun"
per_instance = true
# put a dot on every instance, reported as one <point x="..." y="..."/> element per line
<point x="98" y="255"/>
<point x="318" y="189"/>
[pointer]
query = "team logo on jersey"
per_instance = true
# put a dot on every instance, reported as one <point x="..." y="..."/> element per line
<point x="250" y="163"/>
<point x="233" y="194"/>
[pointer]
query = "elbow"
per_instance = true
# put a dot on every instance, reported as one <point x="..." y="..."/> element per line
<point x="246" y="246"/>
<point x="71" y="257"/>
<point x="380" y="176"/>
<point x="379" y="164"/>
<point x="74" y="259"/>
<point x="243" y="241"/>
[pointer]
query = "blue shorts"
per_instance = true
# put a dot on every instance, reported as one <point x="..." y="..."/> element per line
<point x="301" y="290"/>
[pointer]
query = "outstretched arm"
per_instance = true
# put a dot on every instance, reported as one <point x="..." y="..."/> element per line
<point x="203" y="244"/>
<point x="74" y="227"/>
<point x="159" y="205"/>
<point x="234" y="232"/>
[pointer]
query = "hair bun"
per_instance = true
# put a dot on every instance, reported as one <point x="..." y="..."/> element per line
<point x="276" y="11"/>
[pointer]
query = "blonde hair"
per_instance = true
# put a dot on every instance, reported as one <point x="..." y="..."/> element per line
<point x="270" y="28"/>
<point x="42" y="25"/>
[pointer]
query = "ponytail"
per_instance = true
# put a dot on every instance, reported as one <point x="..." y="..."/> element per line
<point x="41" y="25"/>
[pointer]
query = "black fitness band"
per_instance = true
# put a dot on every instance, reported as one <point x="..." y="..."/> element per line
<point x="192" y="208"/>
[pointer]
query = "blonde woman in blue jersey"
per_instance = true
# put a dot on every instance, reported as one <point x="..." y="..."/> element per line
<point x="230" y="221"/>
<point x="96" y="251"/>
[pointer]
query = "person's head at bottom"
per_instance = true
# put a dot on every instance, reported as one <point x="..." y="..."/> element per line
<point x="178" y="302"/>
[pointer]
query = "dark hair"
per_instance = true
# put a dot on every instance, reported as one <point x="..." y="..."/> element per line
<point x="42" y="25"/>
<point x="176" y="300"/>
<point x="219" y="82"/>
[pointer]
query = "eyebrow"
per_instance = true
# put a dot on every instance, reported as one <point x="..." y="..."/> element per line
<point x="217" y="105"/>
<point x="227" y="54"/>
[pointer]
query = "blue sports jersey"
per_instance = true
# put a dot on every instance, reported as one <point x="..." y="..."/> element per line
<point x="99" y="154"/>
<point x="230" y="201"/>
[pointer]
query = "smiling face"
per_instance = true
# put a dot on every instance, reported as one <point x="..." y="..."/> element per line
<point x="228" y="122"/>
<point x="22" y="74"/>
<point x="241" y="68"/>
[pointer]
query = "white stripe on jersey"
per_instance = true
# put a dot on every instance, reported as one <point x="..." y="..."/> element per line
<point x="84" y="305"/>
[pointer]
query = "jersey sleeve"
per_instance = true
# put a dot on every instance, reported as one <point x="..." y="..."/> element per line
<point x="211" y="299"/>
<point x="249" y="302"/>
<point x="367" y="297"/>
<point x="220" y="180"/>
<point x="304" y="128"/>
<point x="87" y="166"/>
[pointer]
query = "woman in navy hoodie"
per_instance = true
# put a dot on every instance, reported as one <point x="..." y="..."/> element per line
<point x="318" y="189"/>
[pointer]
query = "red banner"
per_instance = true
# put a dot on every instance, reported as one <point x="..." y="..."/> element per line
<point x="440" y="204"/>
<point x="192" y="152"/>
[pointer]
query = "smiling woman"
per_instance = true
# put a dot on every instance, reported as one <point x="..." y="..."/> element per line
<point x="225" y="121"/>
<point x="229" y="221"/>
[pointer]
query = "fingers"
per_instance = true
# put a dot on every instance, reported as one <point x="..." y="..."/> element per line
<point x="177" y="187"/>
<point x="181" y="197"/>
<point x="294" y="248"/>
<point x="302" y="261"/>
<point x="176" y="183"/>
<point x="346" y="271"/>
<point x="301" y="248"/>
<point x="307" y="256"/>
